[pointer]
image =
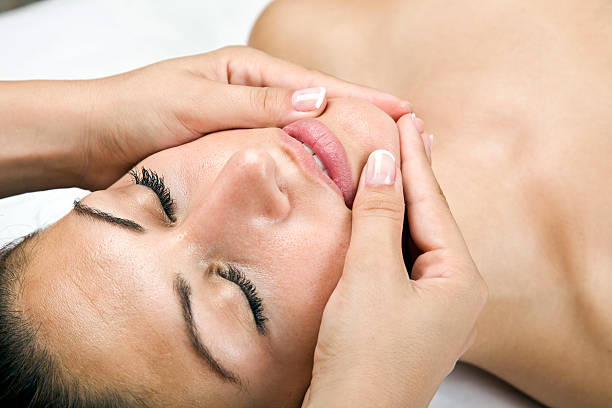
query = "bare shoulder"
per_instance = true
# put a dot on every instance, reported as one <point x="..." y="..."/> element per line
<point x="280" y="17"/>
<point x="312" y="33"/>
<point x="519" y="99"/>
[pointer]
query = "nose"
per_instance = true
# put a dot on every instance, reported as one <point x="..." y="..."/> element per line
<point x="248" y="190"/>
<point x="250" y="182"/>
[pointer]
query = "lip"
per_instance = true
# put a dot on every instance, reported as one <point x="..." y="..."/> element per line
<point x="330" y="151"/>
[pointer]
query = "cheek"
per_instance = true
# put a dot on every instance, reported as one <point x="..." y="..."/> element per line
<point x="309" y="271"/>
<point x="316" y="271"/>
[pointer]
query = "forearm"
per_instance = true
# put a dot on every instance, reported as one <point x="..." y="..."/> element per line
<point x="43" y="130"/>
<point x="368" y="386"/>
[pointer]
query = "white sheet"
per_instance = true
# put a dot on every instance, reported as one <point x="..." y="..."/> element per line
<point x="65" y="39"/>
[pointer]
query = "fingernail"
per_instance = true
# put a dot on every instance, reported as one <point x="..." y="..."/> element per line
<point x="380" y="168"/>
<point x="428" y="143"/>
<point x="418" y="123"/>
<point x="406" y="106"/>
<point x="309" y="99"/>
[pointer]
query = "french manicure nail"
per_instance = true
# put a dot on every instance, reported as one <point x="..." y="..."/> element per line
<point x="309" y="99"/>
<point x="428" y="142"/>
<point x="418" y="123"/>
<point x="380" y="168"/>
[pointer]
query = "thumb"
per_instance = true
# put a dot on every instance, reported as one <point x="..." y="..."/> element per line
<point x="237" y="106"/>
<point x="378" y="215"/>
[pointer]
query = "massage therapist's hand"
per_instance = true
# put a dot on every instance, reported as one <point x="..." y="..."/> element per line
<point x="176" y="101"/>
<point x="387" y="340"/>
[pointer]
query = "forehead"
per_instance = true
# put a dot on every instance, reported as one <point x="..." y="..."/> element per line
<point x="108" y="319"/>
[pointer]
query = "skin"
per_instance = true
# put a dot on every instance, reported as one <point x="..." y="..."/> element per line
<point x="519" y="97"/>
<point x="423" y="322"/>
<point x="104" y="295"/>
<point x="89" y="133"/>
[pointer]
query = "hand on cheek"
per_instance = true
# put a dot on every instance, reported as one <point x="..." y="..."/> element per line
<point x="177" y="101"/>
<point x="387" y="340"/>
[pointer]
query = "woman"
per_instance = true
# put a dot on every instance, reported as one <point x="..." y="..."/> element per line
<point x="200" y="278"/>
<point x="519" y="95"/>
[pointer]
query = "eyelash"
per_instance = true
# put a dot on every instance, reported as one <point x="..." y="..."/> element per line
<point x="155" y="182"/>
<point x="235" y="275"/>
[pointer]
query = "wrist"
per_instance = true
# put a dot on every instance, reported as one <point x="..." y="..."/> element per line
<point x="44" y="127"/>
<point x="94" y="147"/>
<point x="372" y="386"/>
<point x="109" y="148"/>
<point x="349" y="393"/>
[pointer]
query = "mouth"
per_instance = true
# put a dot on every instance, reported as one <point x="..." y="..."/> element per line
<point x="324" y="155"/>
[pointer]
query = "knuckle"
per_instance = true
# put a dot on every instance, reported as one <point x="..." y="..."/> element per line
<point x="380" y="205"/>
<point x="265" y="101"/>
<point x="259" y="98"/>
<point x="243" y="54"/>
<point x="232" y="49"/>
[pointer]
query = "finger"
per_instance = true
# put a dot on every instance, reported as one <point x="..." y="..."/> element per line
<point x="427" y="143"/>
<point x="236" y="106"/>
<point x="432" y="225"/>
<point x="248" y="66"/>
<point x="378" y="213"/>
<point x="418" y="122"/>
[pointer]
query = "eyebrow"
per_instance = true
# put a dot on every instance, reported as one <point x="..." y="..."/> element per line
<point x="87" y="211"/>
<point x="181" y="288"/>
<point x="183" y="292"/>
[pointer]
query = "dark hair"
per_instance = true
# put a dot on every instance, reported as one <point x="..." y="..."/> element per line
<point x="30" y="375"/>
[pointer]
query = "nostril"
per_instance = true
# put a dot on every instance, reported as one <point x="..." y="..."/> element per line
<point x="282" y="185"/>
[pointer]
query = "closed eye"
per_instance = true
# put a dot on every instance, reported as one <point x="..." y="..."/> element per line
<point x="155" y="182"/>
<point x="234" y="274"/>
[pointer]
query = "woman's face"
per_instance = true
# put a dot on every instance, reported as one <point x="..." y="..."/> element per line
<point x="219" y="304"/>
